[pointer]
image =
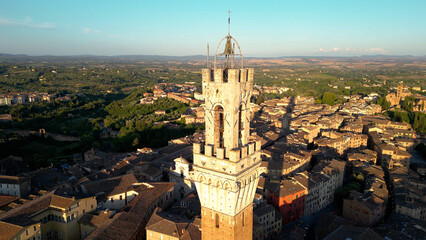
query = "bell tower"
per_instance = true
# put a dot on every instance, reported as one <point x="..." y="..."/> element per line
<point x="400" y="91"/>
<point x="226" y="165"/>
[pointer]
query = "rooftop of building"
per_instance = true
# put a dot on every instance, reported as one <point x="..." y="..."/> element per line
<point x="263" y="210"/>
<point x="22" y="214"/>
<point x="97" y="219"/>
<point x="8" y="230"/>
<point x="111" y="186"/>
<point x="130" y="221"/>
<point x="354" y="233"/>
<point x="289" y="187"/>
<point x="173" y="225"/>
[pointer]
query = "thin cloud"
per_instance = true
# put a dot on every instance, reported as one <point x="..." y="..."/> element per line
<point x="87" y="30"/>
<point x="26" y="22"/>
<point x="374" y="50"/>
<point x="335" y="49"/>
<point x="351" y="50"/>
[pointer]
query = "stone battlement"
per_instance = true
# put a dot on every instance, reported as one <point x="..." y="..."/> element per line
<point x="233" y="155"/>
<point x="231" y="75"/>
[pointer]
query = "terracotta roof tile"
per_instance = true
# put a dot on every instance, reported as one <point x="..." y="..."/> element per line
<point x="61" y="202"/>
<point x="6" y="199"/>
<point x="8" y="231"/>
<point x="130" y="222"/>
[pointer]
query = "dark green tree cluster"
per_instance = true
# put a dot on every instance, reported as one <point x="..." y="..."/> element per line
<point x="416" y="119"/>
<point x="154" y="137"/>
<point x="64" y="117"/>
<point x="268" y="96"/>
<point x="422" y="149"/>
<point x="383" y="103"/>
<point x="329" y="98"/>
<point x="38" y="151"/>
<point x="135" y="122"/>
<point x="408" y="103"/>
<point x="128" y="115"/>
<point x="357" y="183"/>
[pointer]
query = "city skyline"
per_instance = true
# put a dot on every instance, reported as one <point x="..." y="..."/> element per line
<point x="309" y="28"/>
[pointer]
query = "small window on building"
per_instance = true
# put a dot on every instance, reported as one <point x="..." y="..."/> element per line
<point x="121" y="197"/>
<point x="112" y="199"/>
<point x="217" y="220"/>
<point x="84" y="211"/>
<point x="35" y="228"/>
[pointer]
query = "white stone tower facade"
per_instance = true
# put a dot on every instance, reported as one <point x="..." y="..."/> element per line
<point x="226" y="166"/>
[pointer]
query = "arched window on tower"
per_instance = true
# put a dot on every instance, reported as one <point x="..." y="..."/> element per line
<point x="216" y="218"/>
<point x="244" y="220"/>
<point x="240" y="126"/>
<point x="219" y="123"/>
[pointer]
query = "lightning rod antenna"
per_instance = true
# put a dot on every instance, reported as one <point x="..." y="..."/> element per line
<point x="208" y="55"/>
<point x="229" y="22"/>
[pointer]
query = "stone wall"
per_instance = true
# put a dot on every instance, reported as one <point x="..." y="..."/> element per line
<point x="218" y="226"/>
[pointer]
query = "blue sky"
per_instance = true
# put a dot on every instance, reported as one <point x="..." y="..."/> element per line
<point x="179" y="27"/>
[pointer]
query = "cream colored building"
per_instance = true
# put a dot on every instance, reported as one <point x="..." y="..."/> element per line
<point x="163" y="226"/>
<point x="9" y="231"/>
<point x="180" y="175"/>
<point x="55" y="215"/>
<point x="317" y="194"/>
<point x="118" y="191"/>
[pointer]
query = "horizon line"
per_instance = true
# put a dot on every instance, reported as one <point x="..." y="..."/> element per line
<point x="201" y="55"/>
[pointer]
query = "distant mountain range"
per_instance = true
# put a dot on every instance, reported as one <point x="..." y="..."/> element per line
<point x="4" y="57"/>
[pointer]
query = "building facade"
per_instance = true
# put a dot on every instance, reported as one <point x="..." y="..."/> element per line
<point x="15" y="186"/>
<point x="50" y="216"/>
<point x="17" y="232"/>
<point x="289" y="199"/>
<point x="271" y="220"/>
